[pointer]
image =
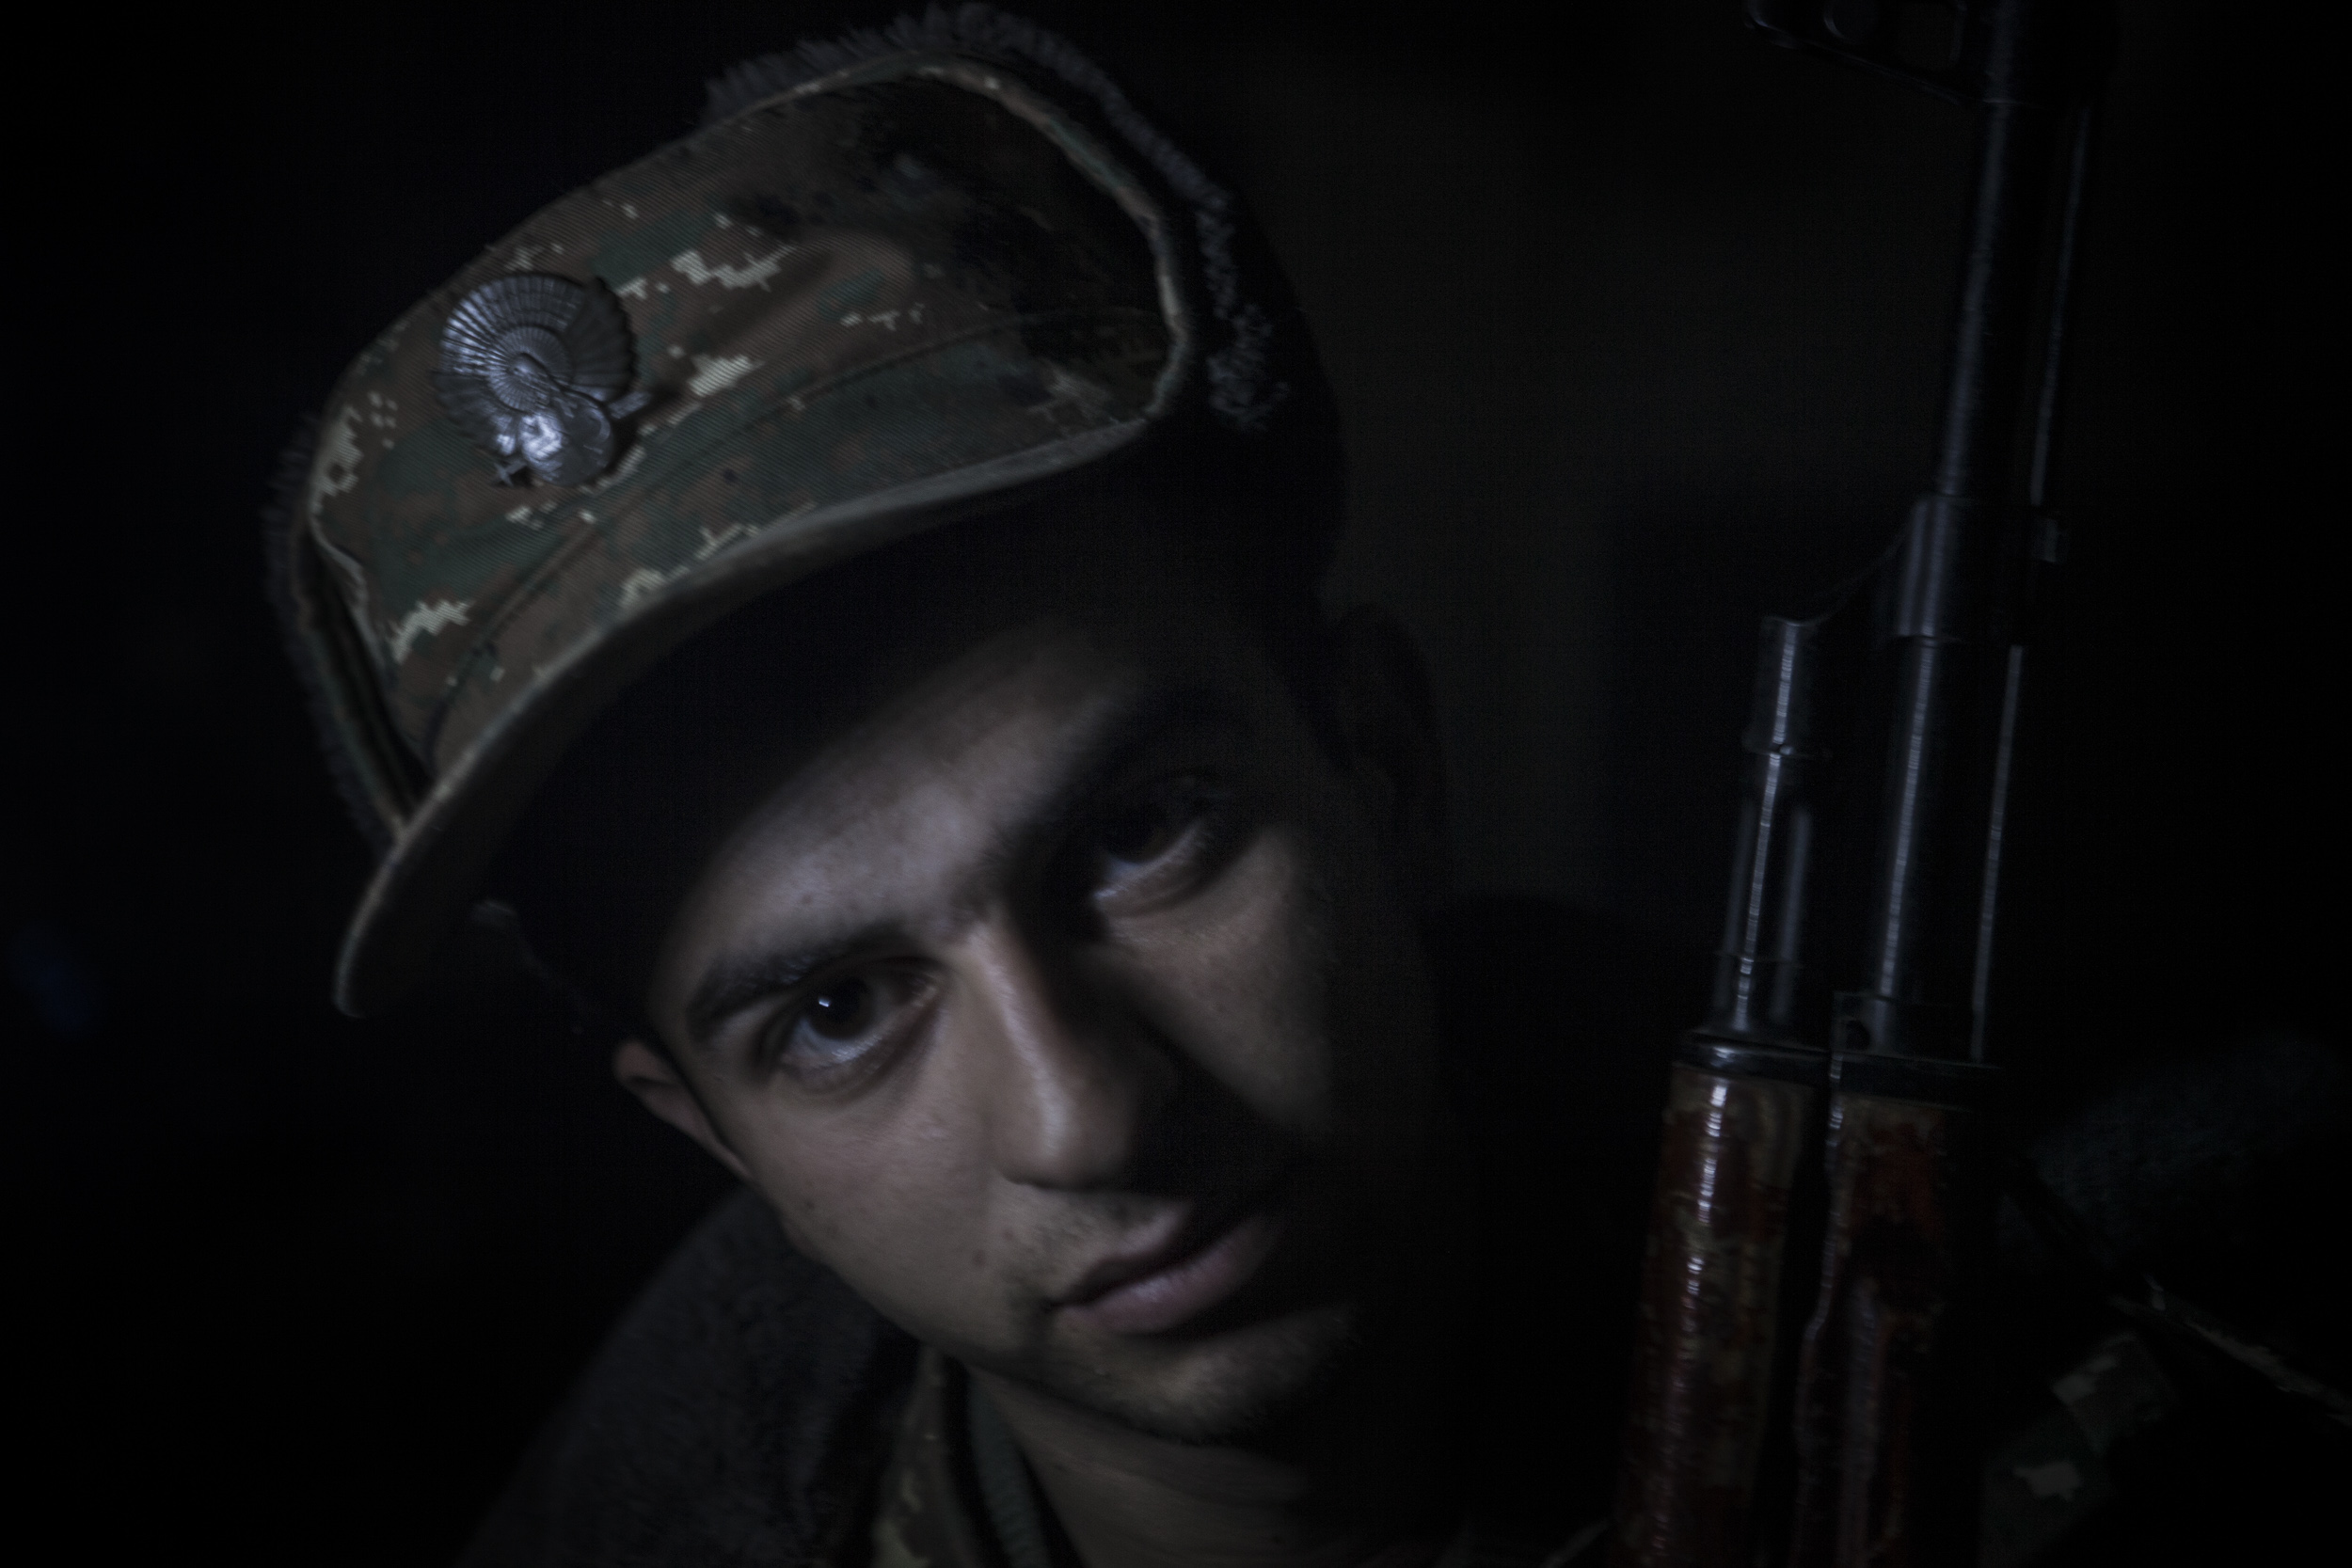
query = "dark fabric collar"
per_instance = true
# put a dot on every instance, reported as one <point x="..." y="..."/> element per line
<point x="958" y="1493"/>
<point x="734" y="1420"/>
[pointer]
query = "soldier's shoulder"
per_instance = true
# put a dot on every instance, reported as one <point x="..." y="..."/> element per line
<point x="733" y="1417"/>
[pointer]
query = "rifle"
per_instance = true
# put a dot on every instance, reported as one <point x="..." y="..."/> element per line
<point x="1849" y="1127"/>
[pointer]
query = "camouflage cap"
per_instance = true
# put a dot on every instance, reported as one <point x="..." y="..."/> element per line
<point x="891" y="281"/>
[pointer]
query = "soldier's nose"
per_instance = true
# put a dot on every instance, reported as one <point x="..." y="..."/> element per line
<point x="1068" y="1091"/>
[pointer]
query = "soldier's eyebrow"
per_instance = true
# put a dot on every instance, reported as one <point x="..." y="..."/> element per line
<point x="732" y="984"/>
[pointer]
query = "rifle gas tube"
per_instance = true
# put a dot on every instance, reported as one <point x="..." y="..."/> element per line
<point x="1742" y="1101"/>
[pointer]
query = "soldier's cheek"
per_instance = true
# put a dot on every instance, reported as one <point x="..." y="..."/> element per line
<point x="1236" y="979"/>
<point x="866" y="1196"/>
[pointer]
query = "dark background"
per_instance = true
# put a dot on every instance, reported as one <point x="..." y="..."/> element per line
<point x="1637" y="324"/>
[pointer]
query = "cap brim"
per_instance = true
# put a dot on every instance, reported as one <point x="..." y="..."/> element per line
<point x="432" y="873"/>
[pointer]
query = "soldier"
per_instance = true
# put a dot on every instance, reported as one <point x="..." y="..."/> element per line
<point x="838" y="599"/>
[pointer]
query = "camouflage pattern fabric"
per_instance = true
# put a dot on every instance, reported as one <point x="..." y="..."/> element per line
<point x="860" y="307"/>
<point x="930" y="1511"/>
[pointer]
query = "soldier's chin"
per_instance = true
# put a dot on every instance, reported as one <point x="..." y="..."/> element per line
<point x="1222" y="1389"/>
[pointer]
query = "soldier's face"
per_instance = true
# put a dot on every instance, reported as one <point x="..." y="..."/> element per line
<point x="1070" y="1007"/>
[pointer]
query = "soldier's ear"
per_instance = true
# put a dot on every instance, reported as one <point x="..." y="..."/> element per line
<point x="656" y="1082"/>
<point x="1389" y="724"/>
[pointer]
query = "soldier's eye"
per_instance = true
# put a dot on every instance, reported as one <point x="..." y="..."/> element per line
<point x="1159" y="841"/>
<point x="1146" y="829"/>
<point x="841" y="1011"/>
<point x="844" y="1023"/>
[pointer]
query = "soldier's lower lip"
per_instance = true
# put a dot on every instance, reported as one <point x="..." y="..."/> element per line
<point x="1168" y="1297"/>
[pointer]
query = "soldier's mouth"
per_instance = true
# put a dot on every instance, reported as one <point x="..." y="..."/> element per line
<point x="1161" y="1287"/>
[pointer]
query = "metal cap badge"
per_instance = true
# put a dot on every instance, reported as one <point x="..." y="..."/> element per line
<point x="534" y="370"/>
